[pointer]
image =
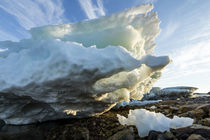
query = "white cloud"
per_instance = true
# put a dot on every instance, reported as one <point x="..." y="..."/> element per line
<point x="169" y="30"/>
<point x="150" y="1"/>
<point x="32" y="13"/>
<point x="7" y="36"/>
<point x="138" y="2"/>
<point x="92" y="11"/>
<point x="186" y="34"/>
<point x="190" y="66"/>
<point x="100" y="8"/>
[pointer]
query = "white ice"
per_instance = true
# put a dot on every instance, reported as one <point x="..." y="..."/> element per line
<point x="145" y="121"/>
<point x="137" y="103"/>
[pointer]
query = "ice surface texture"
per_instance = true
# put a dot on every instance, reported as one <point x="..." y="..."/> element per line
<point x="146" y="121"/>
<point x="81" y="69"/>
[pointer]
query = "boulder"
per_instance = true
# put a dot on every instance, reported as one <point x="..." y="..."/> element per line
<point x="125" y="134"/>
<point x="195" y="137"/>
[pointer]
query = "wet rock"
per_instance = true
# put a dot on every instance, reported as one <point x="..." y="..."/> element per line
<point x="125" y="134"/>
<point x="205" y="108"/>
<point x="198" y="126"/>
<point x="69" y="132"/>
<point x="153" y="135"/>
<point x="2" y="123"/>
<point x="169" y="136"/>
<point x="195" y="137"/>
<point x="206" y="121"/>
<point x="198" y="113"/>
<point x="22" y="135"/>
<point x="164" y="106"/>
<point x="186" y="108"/>
<point x="156" y="135"/>
<point x="174" y="108"/>
<point x="184" y="133"/>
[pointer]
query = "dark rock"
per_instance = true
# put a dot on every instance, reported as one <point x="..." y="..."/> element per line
<point x="195" y="137"/>
<point x="156" y="135"/>
<point x="69" y="133"/>
<point x="125" y="134"/>
<point x="153" y="135"/>
<point x="2" y="123"/>
<point x="206" y="121"/>
<point x="205" y="108"/>
<point x="186" y="108"/>
<point x="169" y="135"/>
<point x="184" y="133"/>
<point x="23" y="135"/>
<point x="198" y="113"/>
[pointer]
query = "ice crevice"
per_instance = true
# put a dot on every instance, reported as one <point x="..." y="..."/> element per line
<point x="79" y="69"/>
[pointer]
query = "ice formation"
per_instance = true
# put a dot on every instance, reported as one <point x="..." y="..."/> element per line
<point x="146" y="121"/>
<point x="81" y="69"/>
<point x="169" y="93"/>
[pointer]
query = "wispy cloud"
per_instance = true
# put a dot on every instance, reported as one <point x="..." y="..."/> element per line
<point x="169" y="30"/>
<point x="192" y="58"/>
<point x="32" y="13"/>
<point x="92" y="11"/>
<point x="150" y="1"/>
<point x="185" y="36"/>
<point x="138" y="2"/>
<point x="190" y="66"/>
<point x="7" y="36"/>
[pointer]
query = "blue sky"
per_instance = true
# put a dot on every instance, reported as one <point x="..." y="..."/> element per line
<point x="185" y="26"/>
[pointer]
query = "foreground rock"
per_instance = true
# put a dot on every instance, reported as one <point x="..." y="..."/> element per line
<point x="170" y="93"/>
<point x="195" y="137"/>
<point x="126" y="134"/>
<point x="79" y="70"/>
<point x="107" y="125"/>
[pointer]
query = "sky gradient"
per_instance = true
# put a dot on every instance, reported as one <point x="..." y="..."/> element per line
<point x="185" y="26"/>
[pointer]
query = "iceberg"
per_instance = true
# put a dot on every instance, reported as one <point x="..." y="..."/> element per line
<point x="145" y="121"/>
<point x="170" y="93"/>
<point x="81" y="69"/>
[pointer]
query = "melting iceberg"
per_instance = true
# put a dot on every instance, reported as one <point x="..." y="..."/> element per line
<point x="170" y="93"/>
<point x="81" y="69"/>
<point x="145" y="121"/>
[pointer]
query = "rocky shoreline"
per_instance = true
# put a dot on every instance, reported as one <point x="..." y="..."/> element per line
<point x="107" y="126"/>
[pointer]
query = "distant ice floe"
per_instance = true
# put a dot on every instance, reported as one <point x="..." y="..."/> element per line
<point x="81" y="69"/>
<point x="170" y="93"/>
<point x="146" y="121"/>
